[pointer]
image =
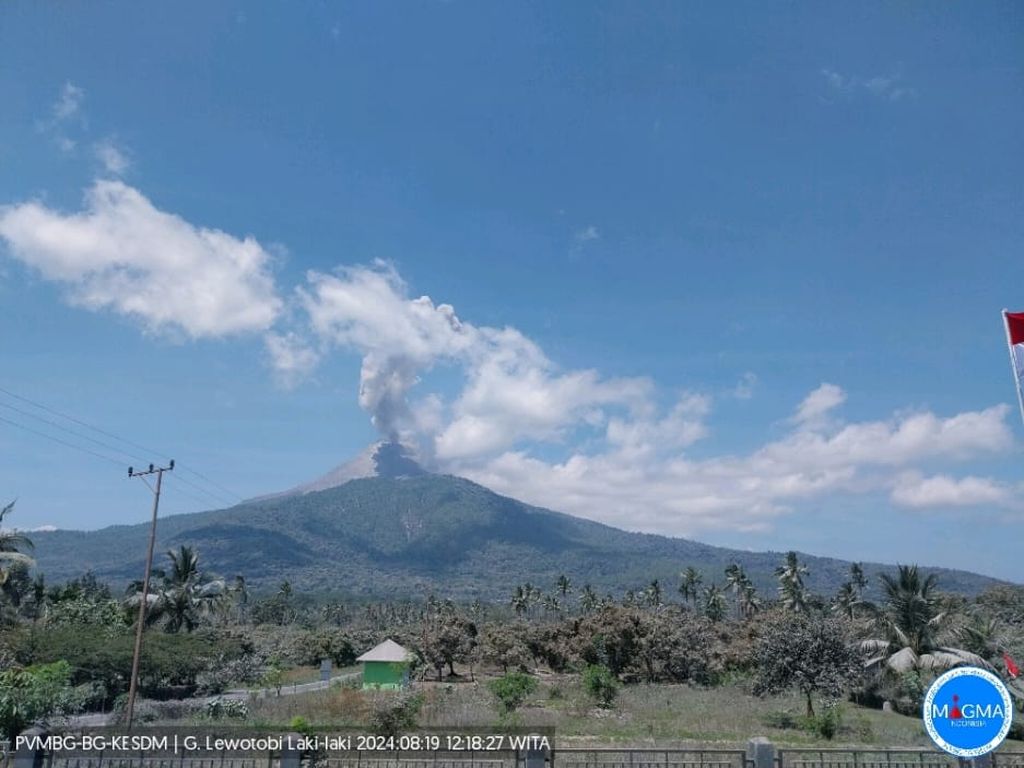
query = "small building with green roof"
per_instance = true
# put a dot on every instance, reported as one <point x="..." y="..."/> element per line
<point x="386" y="667"/>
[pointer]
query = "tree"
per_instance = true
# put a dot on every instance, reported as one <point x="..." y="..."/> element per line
<point x="910" y="626"/>
<point x="749" y="602"/>
<point x="743" y="590"/>
<point x="791" y="574"/>
<point x="551" y="604"/>
<point x="11" y="545"/>
<point x="653" y="594"/>
<point x="714" y="603"/>
<point x="857" y="578"/>
<point x="847" y="600"/>
<point x="520" y="603"/>
<point x="588" y="599"/>
<point x="183" y="594"/>
<point x="511" y="690"/>
<point x="691" y="579"/>
<point x="503" y="645"/>
<point x="812" y="654"/>
<point x="600" y="683"/>
<point x="33" y="693"/>
<point x="563" y="584"/>
<point x="446" y="637"/>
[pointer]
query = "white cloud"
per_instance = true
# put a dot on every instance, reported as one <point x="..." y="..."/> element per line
<point x="291" y="357"/>
<point x="114" y="159"/>
<point x="660" y="490"/>
<point x="123" y="254"/>
<point x="628" y="461"/>
<point x="819" y="403"/>
<point x="68" y="103"/>
<point x="744" y="389"/>
<point x="66" y="109"/>
<point x="912" y="489"/>
<point x="885" y="87"/>
<point x="512" y="393"/>
<point x="587" y="234"/>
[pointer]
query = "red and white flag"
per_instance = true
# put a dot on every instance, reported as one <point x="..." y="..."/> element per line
<point x="1011" y="669"/>
<point x="1015" y="339"/>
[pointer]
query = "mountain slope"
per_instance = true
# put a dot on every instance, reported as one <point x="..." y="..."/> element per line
<point x="413" y="535"/>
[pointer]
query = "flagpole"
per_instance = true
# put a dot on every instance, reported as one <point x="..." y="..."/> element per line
<point x="1013" y="363"/>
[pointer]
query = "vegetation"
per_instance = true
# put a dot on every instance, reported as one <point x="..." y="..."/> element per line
<point x="553" y="652"/>
<point x="512" y="689"/>
<point x="382" y="538"/>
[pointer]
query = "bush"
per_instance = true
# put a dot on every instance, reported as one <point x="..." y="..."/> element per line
<point x="34" y="693"/>
<point x="221" y="673"/>
<point x="170" y="664"/>
<point x="826" y="723"/>
<point x="235" y="709"/>
<point x="600" y="684"/>
<point x="393" y="715"/>
<point x="784" y="721"/>
<point x="512" y="689"/>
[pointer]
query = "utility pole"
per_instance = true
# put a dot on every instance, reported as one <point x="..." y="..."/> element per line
<point x="133" y="683"/>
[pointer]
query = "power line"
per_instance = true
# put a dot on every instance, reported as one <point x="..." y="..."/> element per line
<point x="215" y="484"/>
<point x="62" y="442"/>
<point x="131" y="458"/>
<point x="180" y="479"/>
<point x="79" y="422"/>
<point x="219" y="497"/>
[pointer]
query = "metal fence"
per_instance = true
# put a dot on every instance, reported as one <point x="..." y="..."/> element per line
<point x="885" y="758"/>
<point x="648" y="758"/>
<point x="556" y="758"/>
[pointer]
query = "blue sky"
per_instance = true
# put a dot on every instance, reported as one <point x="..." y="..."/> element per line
<point x="731" y="271"/>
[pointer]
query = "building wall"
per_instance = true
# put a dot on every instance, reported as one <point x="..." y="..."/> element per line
<point x="385" y="674"/>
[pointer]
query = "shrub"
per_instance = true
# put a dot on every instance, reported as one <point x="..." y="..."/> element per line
<point x="827" y="722"/>
<point x="34" y="693"/>
<point x="512" y="689"/>
<point x="235" y="709"/>
<point x="393" y="715"/>
<point x="600" y="684"/>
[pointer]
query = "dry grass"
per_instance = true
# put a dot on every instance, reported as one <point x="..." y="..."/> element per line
<point x="665" y="715"/>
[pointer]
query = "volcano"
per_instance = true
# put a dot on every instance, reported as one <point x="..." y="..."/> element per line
<point x="386" y="458"/>
<point x="381" y="525"/>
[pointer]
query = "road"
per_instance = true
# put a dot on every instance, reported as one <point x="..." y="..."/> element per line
<point x="97" y="719"/>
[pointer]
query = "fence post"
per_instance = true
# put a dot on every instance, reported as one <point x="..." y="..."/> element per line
<point x="291" y="755"/>
<point x="26" y="756"/>
<point x="761" y="753"/>
<point x="535" y="758"/>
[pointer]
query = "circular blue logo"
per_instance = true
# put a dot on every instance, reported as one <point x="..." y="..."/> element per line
<point x="968" y="712"/>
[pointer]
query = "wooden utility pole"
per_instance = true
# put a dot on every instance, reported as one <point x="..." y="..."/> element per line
<point x="133" y="683"/>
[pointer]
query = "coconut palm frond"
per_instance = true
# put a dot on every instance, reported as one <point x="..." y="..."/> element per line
<point x="16" y="558"/>
<point x="903" y="660"/>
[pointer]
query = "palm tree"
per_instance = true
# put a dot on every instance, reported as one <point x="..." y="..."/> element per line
<point x="691" y="579"/>
<point x="910" y="623"/>
<point x="563" y="585"/>
<point x="857" y="578"/>
<point x="11" y="544"/>
<point x="588" y="598"/>
<point x="847" y="600"/>
<point x="183" y="594"/>
<point x="791" y="574"/>
<point x="551" y="604"/>
<point x="653" y="594"/>
<point x="714" y="603"/>
<point x="519" y="601"/>
<point x="737" y="582"/>
<point x="748" y="601"/>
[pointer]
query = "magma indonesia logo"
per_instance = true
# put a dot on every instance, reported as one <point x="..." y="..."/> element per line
<point x="968" y="712"/>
